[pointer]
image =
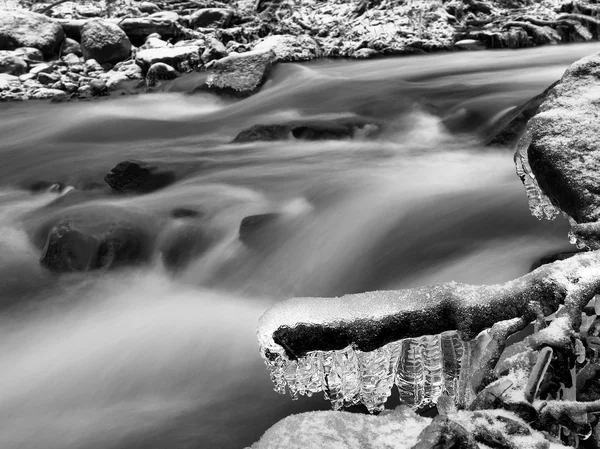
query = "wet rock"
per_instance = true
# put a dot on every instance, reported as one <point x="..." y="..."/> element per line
<point x="290" y="48"/>
<point x="182" y="59"/>
<point x="182" y="244"/>
<point x="139" y="28"/>
<point x="48" y="94"/>
<point x="48" y="78"/>
<point x="512" y="125"/>
<point x="309" y="130"/>
<point x="160" y="71"/>
<point x="443" y="433"/>
<point x="71" y="46"/>
<point x="138" y="177"/>
<point x="240" y="74"/>
<point x="255" y="230"/>
<point x="211" y="18"/>
<point x="83" y="242"/>
<point x="564" y="152"/>
<point x="20" y="28"/>
<point x="104" y="41"/>
<point x="11" y="63"/>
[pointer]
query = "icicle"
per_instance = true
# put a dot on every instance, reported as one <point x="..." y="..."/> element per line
<point x="410" y="378"/>
<point x="452" y="349"/>
<point x="539" y="204"/>
<point x="433" y="360"/>
<point x="376" y="378"/>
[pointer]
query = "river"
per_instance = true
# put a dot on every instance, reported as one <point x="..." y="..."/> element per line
<point x="147" y="358"/>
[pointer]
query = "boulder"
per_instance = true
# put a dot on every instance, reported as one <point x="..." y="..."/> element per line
<point x="71" y="46"/>
<point x="211" y="18"/>
<point x="290" y="48"/>
<point x="256" y="229"/>
<point x="310" y="130"/>
<point x="20" y="28"/>
<point x="87" y="239"/>
<point x="138" y="177"/>
<point x="160" y="71"/>
<point x="240" y="74"/>
<point x="105" y="42"/>
<point x="182" y="59"/>
<point x="139" y="28"/>
<point x="443" y="433"/>
<point x="12" y="64"/>
<point x="562" y="142"/>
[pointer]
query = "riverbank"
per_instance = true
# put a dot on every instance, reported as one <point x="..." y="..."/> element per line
<point x="80" y="50"/>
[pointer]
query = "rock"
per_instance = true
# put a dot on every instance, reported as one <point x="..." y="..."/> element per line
<point x="46" y="94"/>
<point x="512" y="125"/>
<point x="138" y="177"/>
<point x="309" y="130"/>
<point x="330" y="429"/>
<point x="240" y="74"/>
<point x="71" y="46"/>
<point x="290" y="48"/>
<point x="84" y="91"/>
<point x="71" y="59"/>
<point x="98" y="87"/>
<point x="211" y="18"/>
<point x="256" y="229"/>
<point x="148" y="7"/>
<point x="182" y="244"/>
<point x="104" y="41"/>
<point x="443" y="433"/>
<point x="214" y="50"/>
<point x="154" y="42"/>
<point x="29" y="54"/>
<point x="160" y="71"/>
<point x="48" y="78"/>
<point x="41" y="68"/>
<point x="20" y="28"/>
<point x="182" y="59"/>
<point x="469" y="44"/>
<point x="92" y="65"/>
<point x="88" y="240"/>
<point x="138" y="29"/>
<point x="365" y="53"/>
<point x="564" y="151"/>
<point x="11" y="63"/>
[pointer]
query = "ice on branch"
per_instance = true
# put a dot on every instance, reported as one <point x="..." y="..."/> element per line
<point x="539" y="204"/>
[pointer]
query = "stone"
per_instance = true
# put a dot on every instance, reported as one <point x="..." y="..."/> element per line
<point x="564" y="151"/>
<point x="98" y="87"/>
<point x="148" y="7"/>
<point x="469" y="44"/>
<point x="20" y="28"/>
<point x="182" y="59"/>
<point x="154" y="42"/>
<point x="211" y="18"/>
<point x="160" y="71"/>
<point x="365" y="53"/>
<point x="290" y="48"/>
<point x="138" y="29"/>
<point x="11" y="63"/>
<point x="71" y="46"/>
<point x="256" y="229"/>
<point x="240" y="74"/>
<point x="29" y="54"/>
<point x="118" y="81"/>
<point x="46" y="94"/>
<point x="41" y="68"/>
<point x="443" y="433"/>
<point x="48" y="78"/>
<point x="214" y="50"/>
<point x="92" y="65"/>
<point x="84" y="91"/>
<point x="71" y="59"/>
<point x="138" y="177"/>
<point x="105" y="42"/>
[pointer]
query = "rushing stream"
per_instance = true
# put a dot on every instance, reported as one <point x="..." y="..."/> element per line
<point x="145" y="358"/>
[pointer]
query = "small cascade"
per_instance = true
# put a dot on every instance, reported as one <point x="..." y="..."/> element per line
<point x="421" y="368"/>
<point x="539" y="204"/>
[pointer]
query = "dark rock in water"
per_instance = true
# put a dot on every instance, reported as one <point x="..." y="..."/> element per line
<point x="564" y="150"/>
<point x="255" y="229"/>
<point x="309" y="130"/>
<point x="104" y="41"/>
<point x="512" y="125"/>
<point x="183" y="212"/>
<point x="138" y="177"/>
<point x="20" y="28"/>
<point x="87" y="238"/>
<point x="240" y="74"/>
<point x="160" y="71"/>
<point x="443" y="433"/>
<point x="183" y="244"/>
<point x="211" y="18"/>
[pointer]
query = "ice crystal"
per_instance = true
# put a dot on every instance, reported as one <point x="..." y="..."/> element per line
<point x="421" y="368"/>
<point x="539" y="204"/>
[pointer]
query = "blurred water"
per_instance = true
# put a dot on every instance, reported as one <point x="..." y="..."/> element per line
<point x="142" y="358"/>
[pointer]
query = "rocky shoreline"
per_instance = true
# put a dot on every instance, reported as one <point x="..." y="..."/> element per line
<point x="80" y="50"/>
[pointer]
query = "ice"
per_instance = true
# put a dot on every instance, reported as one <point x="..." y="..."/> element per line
<point x="421" y="368"/>
<point x="539" y="204"/>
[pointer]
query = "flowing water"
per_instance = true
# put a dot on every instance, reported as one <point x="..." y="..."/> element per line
<point x="146" y="358"/>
